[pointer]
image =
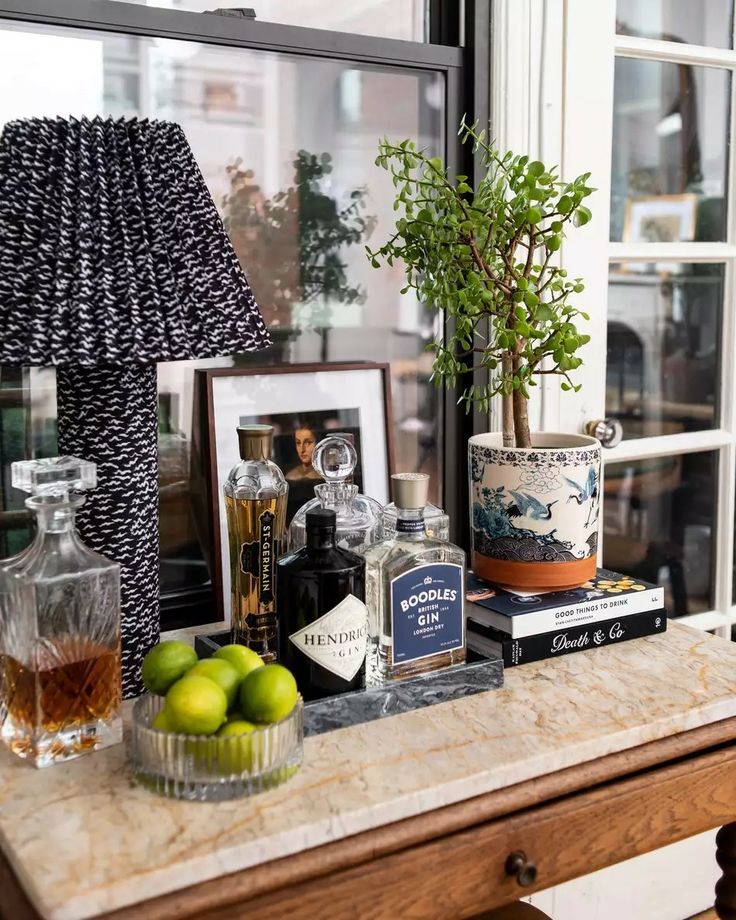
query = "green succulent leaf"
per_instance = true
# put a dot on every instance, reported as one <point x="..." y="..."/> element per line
<point x="483" y="256"/>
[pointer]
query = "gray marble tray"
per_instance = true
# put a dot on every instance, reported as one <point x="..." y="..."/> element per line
<point x="346" y="709"/>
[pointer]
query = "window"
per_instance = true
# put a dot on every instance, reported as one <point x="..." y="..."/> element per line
<point x="657" y="133"/>
<point x="404" y="19"/>
<point x="669" y="311"/>
<point x="285" y="132"/>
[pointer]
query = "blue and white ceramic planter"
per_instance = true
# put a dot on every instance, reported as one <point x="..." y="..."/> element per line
<point x="535" y="511"/>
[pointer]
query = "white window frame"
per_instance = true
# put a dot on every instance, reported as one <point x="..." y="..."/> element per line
<point x="552" y="96"/>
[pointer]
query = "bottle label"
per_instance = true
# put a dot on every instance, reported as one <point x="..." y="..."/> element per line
<point x="427" y="611"/>
<point x="337" y="640"/>
<point x="258" y="558"/>
<point x="410" y="525"/>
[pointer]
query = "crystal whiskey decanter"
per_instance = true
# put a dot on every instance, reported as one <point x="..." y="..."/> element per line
<point x="359" y="518"/>
<point x="256" y="494"/>
<point x="415" y="590"/>
<point x="59" y="626"/>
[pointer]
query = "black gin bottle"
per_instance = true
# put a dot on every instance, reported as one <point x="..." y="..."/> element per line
<point x="323" y="620"/>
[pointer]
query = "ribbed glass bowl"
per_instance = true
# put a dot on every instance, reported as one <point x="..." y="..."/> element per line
<point x="211" y="769"/>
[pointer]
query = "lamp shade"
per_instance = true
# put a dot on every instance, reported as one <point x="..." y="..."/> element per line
<point x="113" y="257"/>
<point x="112" y="250"/>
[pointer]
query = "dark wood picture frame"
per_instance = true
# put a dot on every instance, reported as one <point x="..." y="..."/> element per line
<point x="209" y="480"/>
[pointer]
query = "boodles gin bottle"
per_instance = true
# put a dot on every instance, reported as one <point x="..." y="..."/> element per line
<point x="415" y="587"/>
<point x="59" y="626"/>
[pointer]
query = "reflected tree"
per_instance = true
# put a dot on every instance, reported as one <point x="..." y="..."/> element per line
<point x="292" y="245"/>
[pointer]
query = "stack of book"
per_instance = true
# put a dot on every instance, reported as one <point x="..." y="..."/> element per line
<point x="523" y="627"/>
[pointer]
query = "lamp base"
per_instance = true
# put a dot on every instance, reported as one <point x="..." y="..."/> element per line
<point x="109" y="415"/>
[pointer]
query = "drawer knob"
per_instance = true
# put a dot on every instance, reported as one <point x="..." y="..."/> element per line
<point x="518" y="865"/>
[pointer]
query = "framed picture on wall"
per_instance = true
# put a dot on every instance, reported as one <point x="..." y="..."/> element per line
<point x="660" y="219"/>
<point x="304" y="403"/>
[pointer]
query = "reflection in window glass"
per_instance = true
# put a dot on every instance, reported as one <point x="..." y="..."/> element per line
<point x="663" y="356"/>
<point x="670" y="150"/>
<point x="287" y="148"/>
<point x="658" y="520"/>
<point x="15" y="519"/>
<point x="706" y="22"/>
<point x="405" y="19"/>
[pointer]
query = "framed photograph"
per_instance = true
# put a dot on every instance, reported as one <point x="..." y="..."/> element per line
<point x="660" y="219"/>
<point x="304" y="403"/>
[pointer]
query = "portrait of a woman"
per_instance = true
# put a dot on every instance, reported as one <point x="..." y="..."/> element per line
<point x="305" y="440"/>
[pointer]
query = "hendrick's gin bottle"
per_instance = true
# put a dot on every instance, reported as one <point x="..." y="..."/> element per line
<point x="323" y="620"/>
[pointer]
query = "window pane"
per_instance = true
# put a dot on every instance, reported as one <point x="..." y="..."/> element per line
<point x="287" y="147"/>
<point x="658" y="525"/>
<point x="705" y="22"/>
<point x="15" y="520"/>
<point x="670" y="152"/>
<point x="662" y="365"/>
<point x="405" y="19"/>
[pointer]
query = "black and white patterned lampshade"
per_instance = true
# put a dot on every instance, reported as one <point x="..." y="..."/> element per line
<point x="113" y="257"/>
<point x="112" y="250"/>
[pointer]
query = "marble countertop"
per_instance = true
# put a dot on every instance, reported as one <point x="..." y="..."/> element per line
<point x="83" y="840"/>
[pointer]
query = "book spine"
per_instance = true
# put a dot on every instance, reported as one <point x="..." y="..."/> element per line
<point x="563" y="642"/>
<point x="596" y="611"/>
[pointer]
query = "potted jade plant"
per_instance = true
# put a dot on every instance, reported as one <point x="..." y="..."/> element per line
<point x="488" y="259"/>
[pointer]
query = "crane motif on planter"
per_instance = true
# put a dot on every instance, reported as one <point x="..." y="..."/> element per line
<point x="585" y="493"/>
<point x="528" y="506"/>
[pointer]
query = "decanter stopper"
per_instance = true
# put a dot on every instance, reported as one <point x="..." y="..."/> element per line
<point x="335" y="459"/>
<point x="53" y="476"/>
<point x="358" y="516"/>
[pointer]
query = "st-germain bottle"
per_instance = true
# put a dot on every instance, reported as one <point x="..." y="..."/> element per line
<point x="255" y="499"/>
<point x="323" y="620"/>
<point x="415" y="589"/>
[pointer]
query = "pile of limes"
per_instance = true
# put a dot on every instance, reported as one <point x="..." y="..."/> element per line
<point x="232" y="693"/>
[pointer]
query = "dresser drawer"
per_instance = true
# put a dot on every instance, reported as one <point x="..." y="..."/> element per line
<point x="462" y="870"/>
<point x="465" y="873"/>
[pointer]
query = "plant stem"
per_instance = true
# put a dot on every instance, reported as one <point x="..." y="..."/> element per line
<point x="520" y="410"/>
<point x="507" y="404"/>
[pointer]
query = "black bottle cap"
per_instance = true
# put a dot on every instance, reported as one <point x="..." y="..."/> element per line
<point x="321" y="519"/>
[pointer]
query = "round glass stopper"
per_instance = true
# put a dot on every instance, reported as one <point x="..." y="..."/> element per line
<point x="335" y="459"/>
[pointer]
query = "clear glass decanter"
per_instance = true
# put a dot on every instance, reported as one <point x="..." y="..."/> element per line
<point x="59" y="626"/>
<point x="415" y="592"/>
<point x="358" y="516"/>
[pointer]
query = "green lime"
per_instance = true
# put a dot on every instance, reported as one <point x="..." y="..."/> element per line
<point x="165" y="664"/>
<point x="241" y="755"/>
<point x="222" y="673"/>
<point x="161" y="721"/>
<point x="196" y="705"/>
<point x="241" y="657"/>
<point x="268" y="694"/>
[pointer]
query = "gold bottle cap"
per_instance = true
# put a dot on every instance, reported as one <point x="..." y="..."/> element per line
<point x="410" y="490"/>
<point x="255" y="441"/>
